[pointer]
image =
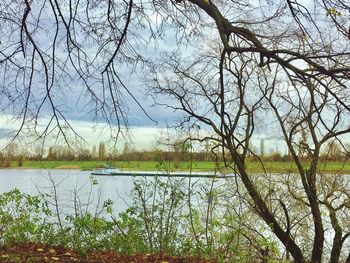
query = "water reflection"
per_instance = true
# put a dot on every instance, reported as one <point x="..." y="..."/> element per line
<point x="71" y="185"/>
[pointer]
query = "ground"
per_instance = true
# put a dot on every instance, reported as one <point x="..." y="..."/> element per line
<point x="40" y="253"/>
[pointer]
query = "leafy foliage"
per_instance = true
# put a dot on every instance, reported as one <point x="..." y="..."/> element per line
<point x="162" y="218"/>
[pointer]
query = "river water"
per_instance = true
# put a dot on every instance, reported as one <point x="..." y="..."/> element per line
<point x="70" y="185"/>
<point x="77" y="187"/>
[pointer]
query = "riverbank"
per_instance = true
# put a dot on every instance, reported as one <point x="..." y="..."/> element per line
<point x="38" y="253"/>
<point x="254" y="167"/>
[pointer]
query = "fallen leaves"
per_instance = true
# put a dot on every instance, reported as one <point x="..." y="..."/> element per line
<point x="29" y="252"/>
<point x="38" y="253"/>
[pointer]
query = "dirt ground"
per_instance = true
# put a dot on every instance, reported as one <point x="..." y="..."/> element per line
<point x="40" y="253"/>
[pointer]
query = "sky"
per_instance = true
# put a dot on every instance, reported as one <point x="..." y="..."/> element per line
<point x="69" y="94"/>
<point x="142" y="137"/>
<point x="68" y="91"/>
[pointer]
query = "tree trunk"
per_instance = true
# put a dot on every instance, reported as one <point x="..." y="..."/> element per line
<point x="266" y="215"/>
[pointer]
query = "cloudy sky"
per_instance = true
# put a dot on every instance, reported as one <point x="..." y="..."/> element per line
<point x="69" y="90"/>
<point x="74" y="76"/>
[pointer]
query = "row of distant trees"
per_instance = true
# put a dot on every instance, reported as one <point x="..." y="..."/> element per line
<point x="56" y="153"/>
<point x="179" y="152"/>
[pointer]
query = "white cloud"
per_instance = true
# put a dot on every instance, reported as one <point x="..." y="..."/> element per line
<point x="92" y="133"/>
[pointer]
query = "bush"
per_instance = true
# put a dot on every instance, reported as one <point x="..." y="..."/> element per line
<point x="158" y="220"/>
<point x="21" y="217"/>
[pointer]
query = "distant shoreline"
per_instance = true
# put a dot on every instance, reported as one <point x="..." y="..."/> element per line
<point x="253" y="167"/>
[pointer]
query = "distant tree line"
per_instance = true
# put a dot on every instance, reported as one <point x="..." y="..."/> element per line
<point x="179" y="152"/>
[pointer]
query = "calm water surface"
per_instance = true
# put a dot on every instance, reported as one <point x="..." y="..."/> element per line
<point x="70" y="185"/>
<point x="75" y="188"/>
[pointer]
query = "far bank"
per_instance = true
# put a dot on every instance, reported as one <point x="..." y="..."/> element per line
<point x="198" y="166"/>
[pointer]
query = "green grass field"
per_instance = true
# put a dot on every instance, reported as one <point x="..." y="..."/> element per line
<point x="255" y="167"/>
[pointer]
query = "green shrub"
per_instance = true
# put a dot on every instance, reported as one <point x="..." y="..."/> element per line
<point x="21" y="217"/>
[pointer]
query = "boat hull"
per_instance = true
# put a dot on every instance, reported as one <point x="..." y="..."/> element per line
<point x="160" y="174"/>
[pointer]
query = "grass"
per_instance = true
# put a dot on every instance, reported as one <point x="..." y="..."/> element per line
<point x="254" y="167"/>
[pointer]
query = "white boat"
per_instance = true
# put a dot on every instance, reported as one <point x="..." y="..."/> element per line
<point x="108" y="170"/>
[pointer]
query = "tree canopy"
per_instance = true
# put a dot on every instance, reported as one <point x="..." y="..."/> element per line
<point x="229" y="66"/>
